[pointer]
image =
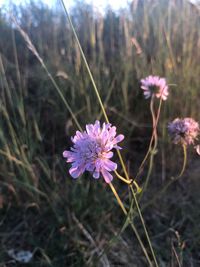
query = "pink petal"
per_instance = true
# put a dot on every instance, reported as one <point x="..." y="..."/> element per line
<point x="66" y="154"/>
<point x="75" y="172"/>
<point x="107" y="176"/>
<point x="119" y="138"/>
<point x="96" y="175"/>
<point x="110" y="165"/>
<point x="108" y="155"/>
<point x="89" y="128"/>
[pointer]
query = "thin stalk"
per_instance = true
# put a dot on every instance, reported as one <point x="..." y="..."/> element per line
<point x="123" y="179"/>
<point x="184" y="161"/>
<point x="131" y="223"/>
<point x="154" y="133"/>
<point x="144" y="226"/>
<point x="148" y="176"/>
<point x="152" y="150"/>
<point x="86" y="64"/>
<point x="17" y="63"/>
<point x="123" y="165"/>
<point x="119" y="233"/>
<point x="129" y="182"/>
<point x="155" y="121"/>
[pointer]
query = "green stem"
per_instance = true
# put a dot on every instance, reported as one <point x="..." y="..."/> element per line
<point x="152" y="148"/>
<point x="123" y="165"/>
<point x="148" y="176"/>
<point x="123" y="179"/>
<point x="139" y="212"/>
<point x="129" y="182"/>
<point x="131" y="223"/>
<point x="184" y="161"/>
<point x="155" y="121"/>
<point x="85" y="61"/>
<point x="144" y="226"/>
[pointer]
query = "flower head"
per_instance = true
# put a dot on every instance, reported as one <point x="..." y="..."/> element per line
<point x="184" y="131"/>
<point x="155" y="86"/>
<point x="92" y="151"/>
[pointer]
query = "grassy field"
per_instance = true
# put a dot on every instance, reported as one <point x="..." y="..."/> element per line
<point x="67" y="222"/>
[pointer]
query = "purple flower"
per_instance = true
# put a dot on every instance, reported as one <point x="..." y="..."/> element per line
<point x="155" y="86"/>
<point x="184" y="131"/>
<point x="92" y="151"/>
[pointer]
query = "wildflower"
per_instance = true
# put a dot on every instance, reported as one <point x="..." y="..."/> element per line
<point x="92" y="151"/>
<point x="155" y="86"/>
<point x="184" y="131"/>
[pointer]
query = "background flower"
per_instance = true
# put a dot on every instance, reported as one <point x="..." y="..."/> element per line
<point x="184" y="131"/>
<point x="155" y="86"/>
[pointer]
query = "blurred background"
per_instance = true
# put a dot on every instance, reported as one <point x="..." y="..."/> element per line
<point x="63" y="222"/>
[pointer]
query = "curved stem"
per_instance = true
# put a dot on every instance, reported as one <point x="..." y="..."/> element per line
<point x="123" y="165"/>
<point x="184" y="161"/>
<point x="154" y="133"/>
<point x="147" y="177"/>
<point x="152" y="150"/>
<point x="129" y="182"/>
<point x="131" y="223"/>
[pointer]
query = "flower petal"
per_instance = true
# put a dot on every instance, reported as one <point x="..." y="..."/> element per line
<point x="75" y="172"/>
<point x="109" y="165"/>
<point x="108" y="155"/>
<point x="66" y="154"/>
<point x="107" y="176"/>
<point x="96" y="175"/>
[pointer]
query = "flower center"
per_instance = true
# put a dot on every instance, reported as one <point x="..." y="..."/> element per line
<point x="154" y="89"/>
<point x="92" y="150"/>
<point x="182" y="134"/>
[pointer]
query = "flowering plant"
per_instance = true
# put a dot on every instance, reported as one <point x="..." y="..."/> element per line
<point x="184" y="131"/>
<point x="92" y="151"/>
<point x="155" y="86"/>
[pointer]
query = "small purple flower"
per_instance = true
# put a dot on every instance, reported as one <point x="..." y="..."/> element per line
<point x="155" y="86"/>
<point x="92" y="151"/>
<point x="184" y="131"/>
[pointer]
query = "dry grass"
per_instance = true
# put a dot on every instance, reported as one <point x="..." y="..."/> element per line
<point x="70" y="223"/>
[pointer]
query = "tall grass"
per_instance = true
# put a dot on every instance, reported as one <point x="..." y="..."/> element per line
<point x="51" y="212"/>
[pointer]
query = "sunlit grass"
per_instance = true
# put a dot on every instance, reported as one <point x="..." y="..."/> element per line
<point x="41" y="206"/>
